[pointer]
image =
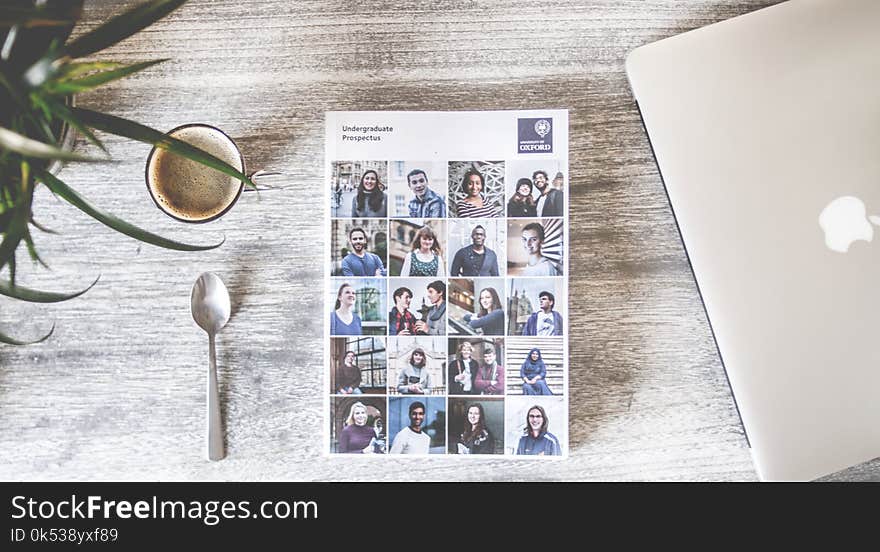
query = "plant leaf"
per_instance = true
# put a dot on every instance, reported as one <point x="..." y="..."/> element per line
<point x="67" y="193"/>
<point x="64" y="87"/>
<point x="36" y="296"/>
<point x="121" y="27"/>
<point x="16" y="229"/>
<point x="10" y="341"/>
<point x="62" y="13"/>
<point x="31" y="148"/>
<point x="62" y="112"/>
<point x="42" y="228"/>
<point x="28" y="240"/>
<point x="53" y="15"/>
<point x="32" y="249"/>
<point x="74" y="69"/>
<point x="24" y="107"/>
<point x="141" y="133"/>
<point x="12" y="267"/>
<point x="42" y="105"/>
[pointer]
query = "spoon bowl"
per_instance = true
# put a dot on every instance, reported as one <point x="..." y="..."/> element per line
<point x="210" y="303"/>
<point x="211" y="309"/>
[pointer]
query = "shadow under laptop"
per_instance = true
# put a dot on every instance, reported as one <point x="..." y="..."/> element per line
<point x="642" y="355"/>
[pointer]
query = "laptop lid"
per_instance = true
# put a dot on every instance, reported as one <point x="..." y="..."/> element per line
<point x="766" y="130"/>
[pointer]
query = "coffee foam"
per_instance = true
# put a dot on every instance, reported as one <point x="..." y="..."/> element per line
<point x="190" y="190"/>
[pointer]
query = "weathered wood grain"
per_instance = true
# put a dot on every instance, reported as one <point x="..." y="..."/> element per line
<point x="118" y="391"/>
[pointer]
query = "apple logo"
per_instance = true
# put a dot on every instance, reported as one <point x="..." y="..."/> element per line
<point x="845" y="221"/>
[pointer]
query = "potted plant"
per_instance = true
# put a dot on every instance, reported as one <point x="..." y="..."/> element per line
<point x="41" y="70"/>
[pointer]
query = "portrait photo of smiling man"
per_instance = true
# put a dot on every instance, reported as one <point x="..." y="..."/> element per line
<point x="535" y="188"/>
<point x="473" y="247"/>
<point x="418" y="425"/>
<point x="359" y="247"/>
<point x="361" y="262"/>
<point x="534" y="247"/>
<point x="417" y="189"/>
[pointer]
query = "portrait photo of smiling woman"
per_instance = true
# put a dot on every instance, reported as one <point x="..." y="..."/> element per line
<point x="417" y="248"/>
<point x="358" y="189"/>
<point x="536" y="426"/>
<point x="359" y="426"/>
<point x="476" y="306"/>
<point x="536" y="188"/>
<point x="370" y="200"/>
<point x="475" y="426"/>
<point x="358" y="306"/>
<point x="476" y="189"/>
<point x="424" y="258"/>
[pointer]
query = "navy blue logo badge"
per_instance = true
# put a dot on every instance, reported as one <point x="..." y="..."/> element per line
<point x="535" y="135"/>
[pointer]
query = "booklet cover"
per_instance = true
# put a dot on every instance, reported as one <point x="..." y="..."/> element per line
<point x="446" y="326"/>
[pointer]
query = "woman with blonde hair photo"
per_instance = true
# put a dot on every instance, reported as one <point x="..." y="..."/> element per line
<point x="462" y="370"/>
<point x="357" y="437"/>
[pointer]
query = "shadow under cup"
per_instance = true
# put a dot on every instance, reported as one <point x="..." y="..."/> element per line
<point x="189" y="191"/>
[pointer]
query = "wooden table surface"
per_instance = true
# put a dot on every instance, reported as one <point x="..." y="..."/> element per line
<point x="117" y="393"/>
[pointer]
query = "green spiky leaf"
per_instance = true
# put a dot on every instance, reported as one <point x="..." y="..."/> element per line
<point x="121" y="27"/>
<point x="42" y="228"/>
<point x="16" y="229"/>
<point x="11" y="341"/>
<point x="28" y="147"/>
<point x="19" y="96"/>
<point x="61" y="111"/>
<point x="92" y="81"/>
<point x="32" y="249"/>
<point x="141" y="133"/>
<point x="36" y="296"/>
<point x="67" y="193"/>
<point x="76" y="69"/>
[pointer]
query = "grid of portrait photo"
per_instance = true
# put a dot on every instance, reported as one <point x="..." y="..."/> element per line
<point x="448" y="307"/>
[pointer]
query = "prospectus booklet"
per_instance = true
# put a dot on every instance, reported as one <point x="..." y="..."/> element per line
<point x="446" y="311"/>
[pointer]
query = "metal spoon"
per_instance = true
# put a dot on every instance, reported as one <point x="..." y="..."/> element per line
<point x="211" y="309"/>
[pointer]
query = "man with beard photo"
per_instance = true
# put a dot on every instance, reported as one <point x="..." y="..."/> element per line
<point x="550" y="202"/>
<point x="361" y="262"/>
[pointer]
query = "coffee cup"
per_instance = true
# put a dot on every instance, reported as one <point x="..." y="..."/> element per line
<point x="189" y="191"/>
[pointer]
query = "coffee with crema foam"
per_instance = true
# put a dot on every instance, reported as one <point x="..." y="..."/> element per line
<point x="190" y="191"/>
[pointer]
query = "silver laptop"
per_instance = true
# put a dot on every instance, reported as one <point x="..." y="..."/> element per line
<point x="766" y="130"/>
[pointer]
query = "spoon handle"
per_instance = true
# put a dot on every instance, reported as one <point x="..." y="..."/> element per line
<point x="215" y="428"/>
